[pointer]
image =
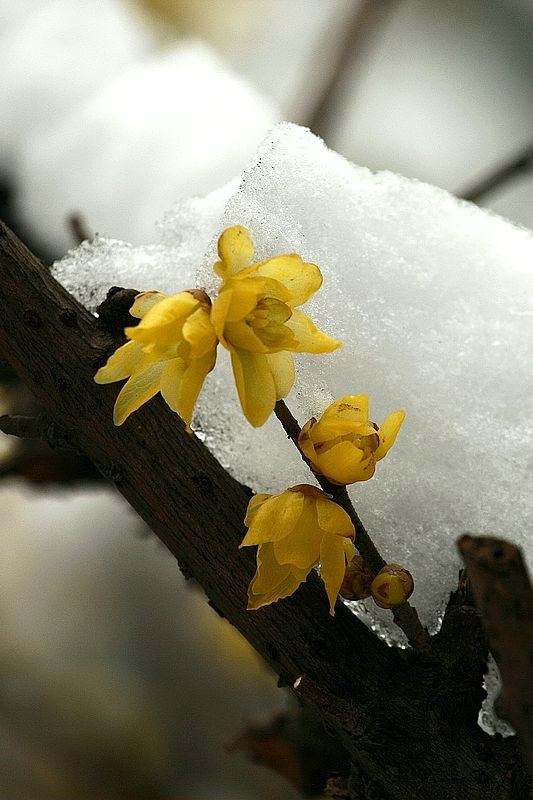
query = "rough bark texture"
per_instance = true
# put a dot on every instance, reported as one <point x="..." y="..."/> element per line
<point x="407" y="720"/>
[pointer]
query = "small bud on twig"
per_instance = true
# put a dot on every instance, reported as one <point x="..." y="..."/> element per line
<point x="392" y="586"/>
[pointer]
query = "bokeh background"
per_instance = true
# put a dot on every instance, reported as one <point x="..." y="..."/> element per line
<point x="117" y="680"/>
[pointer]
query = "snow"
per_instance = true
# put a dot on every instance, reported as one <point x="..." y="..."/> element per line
<point x="432" y="298"/>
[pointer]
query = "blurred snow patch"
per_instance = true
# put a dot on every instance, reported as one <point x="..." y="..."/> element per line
<point x="178" y="124"/>
<point x="97" y="119"/>
<point x="54" y="54"/>
<point x="433" y="299"/>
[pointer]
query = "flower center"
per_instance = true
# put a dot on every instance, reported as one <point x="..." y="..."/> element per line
<point x="267" y="320"/>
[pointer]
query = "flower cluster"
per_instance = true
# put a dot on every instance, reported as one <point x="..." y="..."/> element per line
<point x="254" y="316"/>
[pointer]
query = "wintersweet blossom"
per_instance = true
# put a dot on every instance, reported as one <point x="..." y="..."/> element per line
<point x="171" y="351"/>
<point x="344" y="445"/>
<point x="256" y="319"/>
<point x="295" y="530"/>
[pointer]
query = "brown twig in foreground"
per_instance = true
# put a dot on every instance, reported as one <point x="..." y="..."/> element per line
<point x="504" y="595"/>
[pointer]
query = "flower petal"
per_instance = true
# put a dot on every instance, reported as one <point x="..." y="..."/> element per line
<point x="164" y="313"/>
<point x="144" y="302"/>
<point x="199" y="333"/>
<point x="240" y="298"/>
<point x="305" y="440"/>
<point x="352" y="407"/>
<point x="333" y="519"/>
<point x="235" y="249"/>
<point x="255" y="385"/>
<point x="388" y="431"/>
<point x="330" y="428"/>
<point x="140" y="388"/>
<point x="301" y="548"/>
<point x="219" y="312"/>
<point x="253" y="507"/>
<point x="272" y="581"/>
<point x="240" y="336"/>
<point x="275" y="518"/>
<point x="343" y="463"/>
<point x="302" y="279"/>
<point x="191" y="386"/>
<point x="124" y="361"/>
<point x="307" y="337"/>
<point x="332" y="567"/>
<point x="181" y="383"/>
<point x="282" y="369"/>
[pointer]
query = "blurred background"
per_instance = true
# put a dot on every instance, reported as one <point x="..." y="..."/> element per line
<point x="116" y="678"/>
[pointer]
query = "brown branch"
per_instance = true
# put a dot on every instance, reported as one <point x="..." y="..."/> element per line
<point x="516" y="165"/>
<point x="504" y="595"/>
<point x="406" y="616"/>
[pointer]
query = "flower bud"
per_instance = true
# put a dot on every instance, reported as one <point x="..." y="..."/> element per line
<point x="357" y="580"/>
<point x="392" y="586"/>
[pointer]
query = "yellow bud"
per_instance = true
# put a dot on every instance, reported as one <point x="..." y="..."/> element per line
<point x="357" y="580"/>
<point x="392" y="586"/>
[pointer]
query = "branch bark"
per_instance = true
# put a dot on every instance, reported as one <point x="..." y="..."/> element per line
<point x="404" y="718"/>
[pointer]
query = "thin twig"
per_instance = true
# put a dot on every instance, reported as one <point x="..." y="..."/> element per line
<point x="78" y="227"/>
<point x="39" y="427"/>
<point x="365" y="545"/>
<point x="511" y="169"/>
<point x="365" y="19"/>
<point x="406" y="616"/>
<point x="23" y="427"/>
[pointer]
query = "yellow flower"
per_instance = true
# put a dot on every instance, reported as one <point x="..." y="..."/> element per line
<point x="295" y="530"/>
<point x="344" y="445"/>
<point x="255" y="318"/>
<point x="170" y="351"/>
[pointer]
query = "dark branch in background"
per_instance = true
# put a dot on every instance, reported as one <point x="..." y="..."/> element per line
<point x="516" y="166"/>
<point x="362" y="25"/>
<point x="404" y="718"/>
<point x="405" y="616"/>
<point x="504" y="595"/>
<point x="77" y="225"/>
